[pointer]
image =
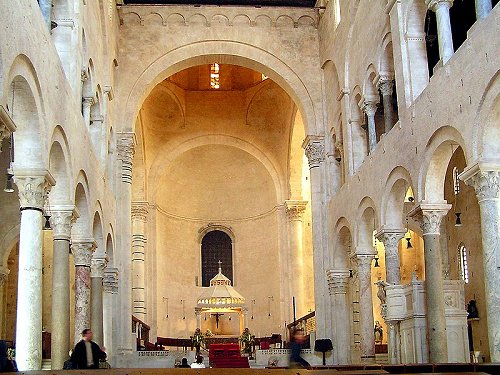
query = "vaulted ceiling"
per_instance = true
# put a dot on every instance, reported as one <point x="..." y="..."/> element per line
<point x="287" y="3"/>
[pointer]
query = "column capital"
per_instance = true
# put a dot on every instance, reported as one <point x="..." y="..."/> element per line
<point x="4" y="274"/>
<point x="34" y="186"/>
<point x="314" y="148"/>
<point x="484" y="177"/>
<point x="82" y="252"/>
<point x="97" y="267"/>
<point x="369" y="107"/>
<point x="110" y="280"/>
<point x="125" y="147"/>
<point x="140" y="210"/>
<point x="84" y="75"/>
<point x="364" y="259"/>
<point x="338" y="281"/>
<point x="429" y="216"/>
<point x="390" y="237"/>
<point x="7" y="125"/>
<point x="434" y="4"/>
<point x="87" y="101"/>
<point x="61" y="220"/>
<point x="386" y="85"/>
<point x="295" y="209"/>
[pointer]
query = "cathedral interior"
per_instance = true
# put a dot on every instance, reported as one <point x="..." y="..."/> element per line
<point x="175" y="171"/>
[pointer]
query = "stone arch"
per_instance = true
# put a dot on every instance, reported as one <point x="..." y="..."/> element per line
<point x="211" y="227"/>
<point x="386" y="59"/>
<point x="97" y="233"/>
<point x="486" y="135"/>
<point x="366" y="222"/>
<point x="342" y="244"/>
<point x="82" y="229"/>
<point x="438" y="153"/>
<point x="110" y="247"/>
<point x="59" y="167"/>
<point x="332" y="85"/>
<point x="170" y="152"/>
<point x="369" y="89"/>
<point x="223" y="52"/>
<point x="396" y="186"/>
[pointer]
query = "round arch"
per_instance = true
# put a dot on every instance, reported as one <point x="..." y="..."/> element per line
<point x="223" y="52"/>
<point x="366" y="222"/>
<point x="392" y="208"/>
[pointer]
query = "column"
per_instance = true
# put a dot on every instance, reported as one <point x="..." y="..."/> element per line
<point x="390" y="238"/>
<point x="110" y="292"/>
<point x="430" y="216"/>
<point x="366" y="321"/>
<point x="394" y="344"/>
<point x="369" y="108"/>
<point x="61" y="220"/>
<point x="338" y="281"/>
<point x="139" y="240"/>
<point x="314" y="148"/>
<point x="82" y="252"/>
<point x="386" y="86"/>
<point x="96" y="276"/>
<point x="486" y="181"/>
<point x="4" y="274"/>
<point x="197" y="312"/>
<point x="87" y="103"/>
<point x="295" y="211"/>
<point x="33" y="186"/>
<point x="7" y="126"/>
<point x="125" y="153"/>
<point x="483" y="8"/>
<point x="445" y="39"/>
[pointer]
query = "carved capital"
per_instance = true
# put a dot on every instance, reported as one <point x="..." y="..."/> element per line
<point x="82" y="252"/>
<point x="140" y="210"/>
<point x="34" y="187"/>
<point x="84" y="75"/>
<point x="125" y="147"/>
<point x="338" y="281"/>
<point x="364" y="262"/>
<point x="390" y="238"/>
<point x="88" y="101"/>
<point x="369" y="107"/>
<point x="110" y="280"/>
<point x="314" y="148"/>
<point x="295" y="209"/>
<point x="434" y="4"/>
<point x="97" y="267"/>
<point x="484" y="179"/>
<point x="429" y="216"/>
<point x="61" y="220"/>
<point x="386" y="85"/>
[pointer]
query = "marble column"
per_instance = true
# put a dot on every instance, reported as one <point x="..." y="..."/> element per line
<point x="33" y="186"/>
<point x="61" y="220"/>
<point x="390" y="238"/>
<point x="486" y="181"/>
<point x="139" y="241"/>
<point x="87" y="103"/>
<point x="370" y="108"/>
<point x="338" y="282"/>
<point x="366" y="321"/>
<point x="394" y="345"/>
<point x="445" y="38"/>
<point x="125" y="154"/>
<point x="110" y="292"/>
<point x="386" y="87"/>
<point x="295" y="211"/>
<point x="429" y="216"/>
<point x="98" y="264"/>
<point x="82" y="253"/>
<point x="314" y="148"/>
<point x="483" y="8"/>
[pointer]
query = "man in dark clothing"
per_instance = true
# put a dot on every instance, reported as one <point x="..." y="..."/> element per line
<point x="87" y="353"/>
<point x="297" y="343"/>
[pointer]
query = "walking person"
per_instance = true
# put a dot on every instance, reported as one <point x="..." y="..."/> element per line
<point x="87" y="353"/>
<point x="296" y="345"/>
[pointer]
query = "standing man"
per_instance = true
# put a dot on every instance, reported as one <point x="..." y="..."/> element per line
<point x="87" y="353"/>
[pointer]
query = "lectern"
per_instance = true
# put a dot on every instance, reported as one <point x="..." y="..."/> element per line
<point x="323" y="345"/>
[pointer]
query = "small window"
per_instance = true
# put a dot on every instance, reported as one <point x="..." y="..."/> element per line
<point x="215" y="76"/>
<point x="456" y="181"/>
<point x="464" y="266"/>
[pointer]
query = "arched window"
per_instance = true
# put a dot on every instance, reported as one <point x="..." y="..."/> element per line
<point x="464" y="266"/>
<point x="216" y="246"/>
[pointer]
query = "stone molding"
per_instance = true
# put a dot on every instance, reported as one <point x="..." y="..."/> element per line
<point x="140" y="210"/>
<point x="34" y="186"/>
<point x="314" y="148"/>
<point x="125" y="147"/>
<point x="338" y="281"/>
<point x="429" y="216"/>
<point x="434" y="4"/>
<point x="97" y="267"/>
<point x="87" y="101"/>
<point x="295" y="209"/>
<point x="219" y="17"/>
<point x="364" y="261"/>
<point x="484" y="177"/>
<point x="7" y="125"/>
<point x="61" y="220"/>
<point x="110" y="280"/>
<point x="82" y="252"/>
